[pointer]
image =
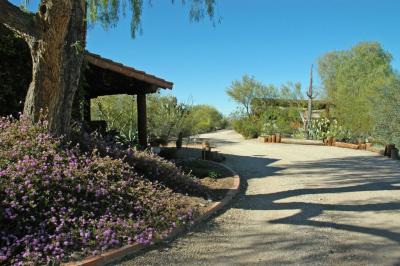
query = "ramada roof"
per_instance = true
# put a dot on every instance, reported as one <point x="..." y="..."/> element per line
<point x="127" y="71"/>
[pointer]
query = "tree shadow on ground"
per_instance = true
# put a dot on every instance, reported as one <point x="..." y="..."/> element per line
<point x="342" y="175"/>
<point x="333" y="176"/>
<point x="213" y="142"/>
<point x="259" y="165"/>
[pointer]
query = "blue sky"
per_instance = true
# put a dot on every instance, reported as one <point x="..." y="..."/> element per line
<point x="276" y="41"/>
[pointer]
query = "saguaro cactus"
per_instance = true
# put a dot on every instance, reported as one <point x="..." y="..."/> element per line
<point x="310" y="96"/>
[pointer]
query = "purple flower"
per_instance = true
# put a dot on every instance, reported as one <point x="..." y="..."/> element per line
<point x="62" y="200"/>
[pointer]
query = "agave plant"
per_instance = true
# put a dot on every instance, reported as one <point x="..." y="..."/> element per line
<point x="129" y="139"/>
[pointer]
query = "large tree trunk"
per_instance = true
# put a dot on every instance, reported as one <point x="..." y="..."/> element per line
<point x="56" y="37"/>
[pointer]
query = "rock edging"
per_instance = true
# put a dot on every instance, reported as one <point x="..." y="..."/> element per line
<point x="129" y="250"/>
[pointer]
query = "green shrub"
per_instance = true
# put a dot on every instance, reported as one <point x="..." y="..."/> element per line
<point x="387" y="114"/>
<point x="203" y="119"/>
<point x="248" y="127"/>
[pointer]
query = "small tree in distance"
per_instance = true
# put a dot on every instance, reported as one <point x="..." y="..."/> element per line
<point x="246" y="90"/>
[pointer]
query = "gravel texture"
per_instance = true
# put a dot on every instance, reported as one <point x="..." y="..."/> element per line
<point x="301" y="204"/>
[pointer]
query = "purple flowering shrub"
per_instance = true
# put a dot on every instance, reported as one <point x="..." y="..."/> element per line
<point x="58" y="203"/>
<point x="146" y="164"/>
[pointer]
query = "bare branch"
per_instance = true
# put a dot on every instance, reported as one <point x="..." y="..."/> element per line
<point x="17" y="20"/>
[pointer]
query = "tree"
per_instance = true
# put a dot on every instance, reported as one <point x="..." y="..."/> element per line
<point x="202" y="119"/>
<point x="246" y="90"/>
<point x="328" y="66"/>
<point x="387" y="113"/>
<point x="352" y="79"/>
<point x="56" y="36"/>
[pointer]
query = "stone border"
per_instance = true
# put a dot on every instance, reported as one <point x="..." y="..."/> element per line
<point x="262" y="139"/>
<point x="320" y="143"/>
<point x="337" y="144"/>
<point x="347" y="145"/>
<point x="302" y="142"/>
<point x="117" y="255"/>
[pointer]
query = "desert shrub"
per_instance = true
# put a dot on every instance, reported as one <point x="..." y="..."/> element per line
<point x="323" y="127"/>
<point x="247" y="126"/>
<point x="319" y="128"/>
<point x="266" y="110"/>
<point x="279" y="120"/>
<point x="166" y="116"/>
<point x="202" y="119"/>
<point x="386" y="115"/>
<point x="118" y="110"/>
<point x="57" y="202"/>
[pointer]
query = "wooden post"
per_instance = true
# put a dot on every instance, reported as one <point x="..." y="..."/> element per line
<point x="142" y="120"/>
<point x="394" y="154"/>
<point x="388" y="150"/>
<point x="206" y="151"/>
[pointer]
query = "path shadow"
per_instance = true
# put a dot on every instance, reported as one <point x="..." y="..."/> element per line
<point x="342" y="175"/>
<point x="214" y="142"/>
<point x="352" y="170"/>
<point x="352" y="174"/>
<point x="259" y="165"/>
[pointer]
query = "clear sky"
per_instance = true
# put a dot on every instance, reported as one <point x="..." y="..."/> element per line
<point x="274" y="40"/>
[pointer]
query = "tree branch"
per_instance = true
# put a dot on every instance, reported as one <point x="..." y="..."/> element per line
<point x="17" y="20"/>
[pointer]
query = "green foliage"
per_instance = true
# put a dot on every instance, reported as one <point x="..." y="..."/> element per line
<point x="166" y="117"/>
<point x="130" y="140"/>
<point x="351" y="81"/>
<point x="107" y="13"/>
<point x="246" y="90"/>
<point x="119" y="111"/>
<point x="319" y="128"/>
<point x="249" y="127"/>
<point x="282" y="119"/>
<point x="214" y="174"/>
<point x="323" y="127"/>
<point x="263" y="112"/>
<point x="15" y="72"/>
<point x="387" y="113"/>
<point x="202" y="119"/>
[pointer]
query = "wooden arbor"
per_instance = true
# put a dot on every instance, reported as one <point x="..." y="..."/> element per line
<point x="106" y="77"/>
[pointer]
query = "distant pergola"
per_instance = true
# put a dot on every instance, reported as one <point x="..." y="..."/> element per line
<point x="106" y="77"/>
<point x="318" y="105"/>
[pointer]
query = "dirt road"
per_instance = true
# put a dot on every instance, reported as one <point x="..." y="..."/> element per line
<point x="302" y="205"/>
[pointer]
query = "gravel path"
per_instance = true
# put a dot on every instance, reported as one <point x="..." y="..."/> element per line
<point x="302" y="205"/>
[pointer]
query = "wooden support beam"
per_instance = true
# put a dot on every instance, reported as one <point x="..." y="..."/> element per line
<point x="142" y="120"/>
